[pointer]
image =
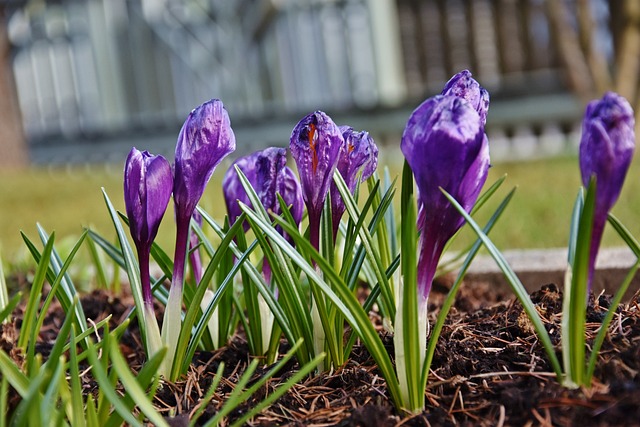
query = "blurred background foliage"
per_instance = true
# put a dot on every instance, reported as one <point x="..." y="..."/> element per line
<point x="84" y="80"/>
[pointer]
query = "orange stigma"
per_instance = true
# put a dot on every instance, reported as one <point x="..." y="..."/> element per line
<point x="312" y="144"/>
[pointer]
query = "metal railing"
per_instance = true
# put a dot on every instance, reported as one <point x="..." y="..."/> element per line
<point x="95" y="75"/>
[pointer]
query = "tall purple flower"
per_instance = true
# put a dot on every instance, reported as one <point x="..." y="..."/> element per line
<point x="268" y="174"/>
<point x="606" y="149"/>
<point x="315" y="146"/>
<point x="205" y="139"/>
<point x="148" y="182"/>
<point x="446" y="147"/>
<point x="358" y="159"/>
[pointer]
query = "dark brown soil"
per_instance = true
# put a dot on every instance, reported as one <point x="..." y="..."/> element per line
<point x="488" y="370"/>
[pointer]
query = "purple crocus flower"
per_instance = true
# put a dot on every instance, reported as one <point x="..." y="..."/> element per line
<point x="205" y="139"/>
<point x="358" y="159"/>
<point x="315" y="146"/>
<point x="446" y="147"/>
<point x="464" y="86"/>
<point x="268" y="174"/>
<point x="606" y="149"/>
<point x="148" y="182"/>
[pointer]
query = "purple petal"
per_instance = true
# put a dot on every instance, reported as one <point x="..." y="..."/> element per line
<point x="606" y="147"/>
<point x="464" y="86"/>
<point x="148" y="182"/>
<point x="315" y="145"/>
<point x="446" y="147"/>
<point x="358" y="155"/>
<point x="606" y="150"/>
<point x="205" y="139"/>
<point x="268" y="175"/>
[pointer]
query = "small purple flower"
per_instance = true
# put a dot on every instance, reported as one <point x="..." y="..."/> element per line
<point x="148" y="182"/>
<point x="359" y="154"/>
<point x="606" y="149"/>
<point x="268" y="174"/>
<point x="446" y="147"/>
<point x="315" y="146"/>
<point x="464" y="86"/>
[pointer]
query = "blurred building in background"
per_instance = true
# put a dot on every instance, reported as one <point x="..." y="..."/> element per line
<point x="94" y="77"/>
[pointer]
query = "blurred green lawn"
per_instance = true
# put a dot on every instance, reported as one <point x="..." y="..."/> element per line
<point x="65" y="200"/>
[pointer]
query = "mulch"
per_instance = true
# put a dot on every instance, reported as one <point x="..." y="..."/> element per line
<point x="488" y="370"/>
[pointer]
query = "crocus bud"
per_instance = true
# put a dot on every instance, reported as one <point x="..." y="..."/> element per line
<point x="446" y="147"/>
<point x="268" y="174"/>
<point x="606" y="149"/>
<point x="464" y="86"/>
<point x="148" y="182"/>
<point x="315" y="146"/>
<point x="358" y="159"/>
<point x="205" y="139"/>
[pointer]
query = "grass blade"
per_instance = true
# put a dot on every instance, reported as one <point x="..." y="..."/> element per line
<point x="575" y="310"/>
<point x="451" y="296"/>
<point x="28" y="330"/>
<point x="340" y="295"/>
<point x="132" y="387"/>
<point x="132" y="268"/>
<point x="517" y="287"/>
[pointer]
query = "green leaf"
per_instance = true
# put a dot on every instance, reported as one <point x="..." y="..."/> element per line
<point x="132" y="268"/>
<point x="132" y="387"/>
<point x="602" y="332"/>
<point x="4" y="297"/>
<point x="367" y="242"/>
<point x="77" y="404"/>
<point x="282" y="389"/>
<point x="187" y="341"/>
<point x="256" y="279"/>
<point x="109" y="248"/>
<point x="57" y="283"/>
<point x="145" y="377"/>
<point x="28" y="332"/>
<point x="204" y="402"/>
<point x="4" y="396"/>
<point x="574" y="309"/>
<point x="67" y="291"/>
<point x="408" y="332"/>
<point x="517" y="287"/>
<point x="9" y="307"/>
<point x="101" y="276"/>
<point x="108" y="391"/>
<point x="451" y="296"/>
<point x="13" y="374"/>
<point x="340" y="295"/>
<point x="626" y="236"/>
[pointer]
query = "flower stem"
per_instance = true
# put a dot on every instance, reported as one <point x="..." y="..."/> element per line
<point x="314" y="228"/>
<point x="172" y="322"/>
<point x="596" y="237"/>
<point x="145" y="278"/>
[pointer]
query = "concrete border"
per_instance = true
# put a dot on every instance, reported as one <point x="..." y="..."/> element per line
<point x="538" y="267"/>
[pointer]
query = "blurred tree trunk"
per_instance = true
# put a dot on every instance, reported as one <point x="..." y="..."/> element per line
<point x="13" y="148"/>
